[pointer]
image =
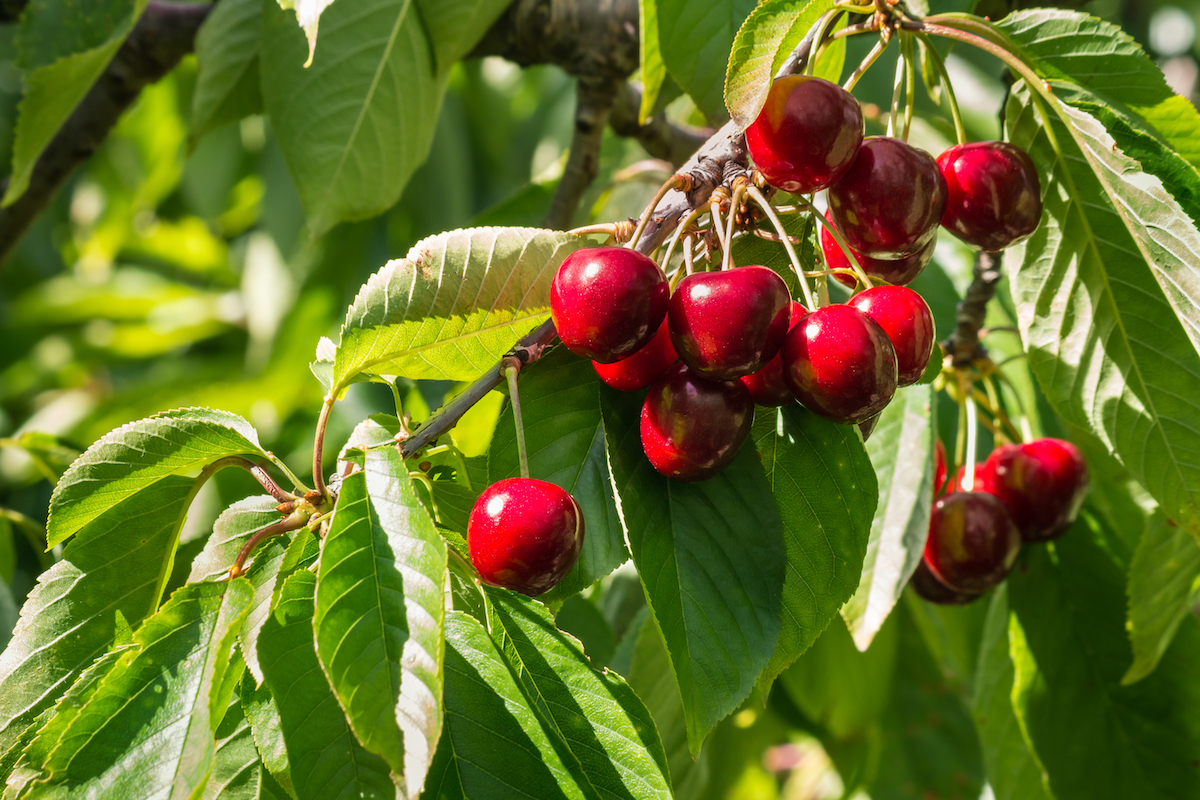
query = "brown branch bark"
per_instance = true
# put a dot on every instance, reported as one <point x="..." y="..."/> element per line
<point x="963" y="344"/>
<point x="593" y="99"/>
<point x="165" y="33"/>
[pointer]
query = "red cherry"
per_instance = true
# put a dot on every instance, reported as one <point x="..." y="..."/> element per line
<point x="692" y="428"/>
<point x="898" y="271"/>
<point x="889" y="204"/>
<point x="906" y="319"/>
<point x="766" y="386"/>
<point x="1042" y="483"/>
<point x="928" y="587"/>
<point x="972" y="541"/>
<point x="939" y="467"/>
<point x="607" y="302"/>
<point x="524" y="534"/>
<point x="640" y="369"/>
<point x="994" y="197"/>
<point x="730" y="323"/>
<point x="806" y="135"/>
<point x="983" y="479"/>
<point x="840" y="364"/>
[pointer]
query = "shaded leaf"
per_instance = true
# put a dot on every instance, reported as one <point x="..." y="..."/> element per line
<point x="1164" y="579"/>
<point x="237" y="772"/>
<point x="456" y="26"/>
<point x="696" y="37"/>
<point x="227" y="81"/>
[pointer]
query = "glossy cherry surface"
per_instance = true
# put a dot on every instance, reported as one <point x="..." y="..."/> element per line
<point x="640" y="369"/>
<point x="889" y="203"/>
<point x="983" y="479"/>
<point x="766" y="385"/>
<point x="898" y="271"/>
<point x="692" y="428"/>
<point x="994" y="197"/>
<point x="1043" y="483"/>
<point x="906" y="319"/>
<point x="806" y="135"/>
<point x="730" y="323"/>
<point x="607" y="302"/>
<point x="524" y="534"/>
<point x="928" y="587"/>
<point x="972" y="541"/>
<point x="840" y="364"/>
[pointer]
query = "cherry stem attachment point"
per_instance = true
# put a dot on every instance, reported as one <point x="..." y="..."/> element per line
<point x="809" y="301"/>
<point x="512" y="367"/>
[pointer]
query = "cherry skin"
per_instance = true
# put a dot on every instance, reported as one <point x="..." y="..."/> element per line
<point x="929" y="588"/>
<point x="766" y="386"/>
<point x="806" y="135"/>
<point x="983" y="479"/>
<point x="640" y="369"/>
<point x="906" y="319"/>
<point x="840" y="364"/>
<point x="607" y="302"/>
<point x="730" y="323"/>
<point x="525" y="535"/>
<point x="889" y="204"/>
<point x="994" y="197"/>
<point x="692" y="428"/>
<point x="972" y="541"/>
<point x="898" y="271"/>
<point x="1042" y="483"/>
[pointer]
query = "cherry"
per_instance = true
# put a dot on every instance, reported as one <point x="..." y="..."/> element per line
<point x="994" y="197"/>
<point x="972" y="541"/>
<point x="766" y="386"/>
<point x="806" y="135"/>
<point x="983" y="479"/>
<point x="906" y="319"/>
<point x="640" y="369"/>
<point x="928" y="587"/>
<point x="692" y="428"/>
<point x="889" y="204"/>
<point x="840" y="364"/>
<point x="898" y="271"/>
<point x="1042" y="483"/>
<point x="607" y="302"/>
<point x="730" y="323"/>
<point x="524" y="534"/>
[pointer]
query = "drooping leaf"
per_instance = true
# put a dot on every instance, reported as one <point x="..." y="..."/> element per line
<point x="227" y="81"/>
<point x="379" y="615"/>
<point x="901" y="451"/>
<point x="453" y="306"/>
<point x="696" y="37"/>
<point x="826" y="491"/>
<point x="1164" y="579"/>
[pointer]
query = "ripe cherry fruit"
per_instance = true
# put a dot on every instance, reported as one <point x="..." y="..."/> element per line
<point x="906" y="319"/>
<point x="607" y="302"/>
<point x="640" y="369"/>
<point x="972" y="541"/>
<point x="928" y="587"/>
<point x="692" y="428"/>
<point x="897" y="271"/>
<point x="766" y="385"/>
<point x="1042" y="483"/>
<point x="806" y="135"/>
<point x="994" y="197"/>
<point x="524" y="534"/>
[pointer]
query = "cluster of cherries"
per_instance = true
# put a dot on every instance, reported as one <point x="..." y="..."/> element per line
<point x="1022" y="493"/>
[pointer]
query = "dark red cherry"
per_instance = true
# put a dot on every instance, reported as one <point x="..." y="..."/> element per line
<point x="840" y="364"/>
<point x="906" y="319"/>
<point x="692" y="428"/>
<point x="806" y="135"/>
<point x="889" y="204"/>
<point x="730" y="323"/>
<point x="928" y="587"/>
<point x="607" y="302"/>
<point x="524" y="534"/>
<point x="1042" y="483"/>
<point x="898" y="271"/>
<point x="994" y="197"/>
<point x="972" y="541"/>
<point x="640" y="369"/>
<point x="766" y="386"/>
<point x="939" y="467"/>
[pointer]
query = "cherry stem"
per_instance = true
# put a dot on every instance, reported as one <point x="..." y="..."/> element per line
<point x="996" y="408"/>
<point x="606" y="228"/>
<point x="262" y="477"/>
<point x="727" y="254"/>
<point x="512" y="367"/>
<point x="689" y="264"/>
<point x="679" y="232"/>
<point x="875" y="53"/>
<point x="319" y="447"/>
<point x="968" y="482"/>
<point x="765" y="205"/>
<point x="910" y="80"/>
<point x="960" y="131"/>
<point x="821" y="35"/>
<point x="714" y="208"/>
<point x="851" y="256"/>
<point x="897" y="87"/>
<point x="676" y="181"/>
<point x="292" y="523"/>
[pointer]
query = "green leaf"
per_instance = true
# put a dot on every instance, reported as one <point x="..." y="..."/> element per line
<point x="1103" y="340"/>
<point x="603" y="723"/>
<point x="453" y="306"/>
<point x="901" y="451"/>
<point x="765" y="40"/>
<point x="126" y="462"/>
<point x="63" y="47"/>
<point x="237" y="772"/>
<point x="456" y="26"/>
<point x="492" y="743"/>
<point x="1164" y="579"/>
<point x="262" y="715"/>
<point x="227" y="58"/>
<point x="696" y="37"/>
<point x="711" y="559"/>
<point x="1095" y="737"/>
<point x="310" y="718"/>
<point x="380" y="615"/>
<point x="654" y="71"/>
<point x="826" y="491"/>
<point x="162" y="745"/>
<point x="564" y="431"/>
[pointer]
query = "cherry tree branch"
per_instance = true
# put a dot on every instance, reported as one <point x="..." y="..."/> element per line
<point x="963" y="344"/>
